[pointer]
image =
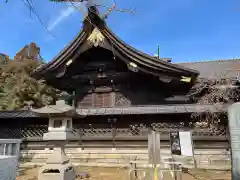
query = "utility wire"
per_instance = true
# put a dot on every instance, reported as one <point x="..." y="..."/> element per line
<point x="30" y="6"/>
<point x="113" y="8"/>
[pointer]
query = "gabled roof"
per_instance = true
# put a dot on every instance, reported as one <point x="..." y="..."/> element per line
<point x="94" y="24"/>
<point x="61" y="108"/>
<point x="216" y="69"/>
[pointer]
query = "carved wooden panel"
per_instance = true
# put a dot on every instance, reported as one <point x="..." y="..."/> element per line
<point x="103" y="99"/>
<point x="86" y="101"/>
<point x="121" y="100"/>
<point x="97" y="100"/>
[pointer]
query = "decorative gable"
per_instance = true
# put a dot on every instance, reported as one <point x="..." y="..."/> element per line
<point x="96" y="38"/>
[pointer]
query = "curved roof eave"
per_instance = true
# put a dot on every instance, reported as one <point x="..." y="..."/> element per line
<point x="64" y="54"/>
<point x="132" y="53"/>
<point x="146" y="59"/>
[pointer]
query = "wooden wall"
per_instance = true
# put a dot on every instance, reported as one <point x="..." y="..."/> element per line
<point x="123" y="95"/>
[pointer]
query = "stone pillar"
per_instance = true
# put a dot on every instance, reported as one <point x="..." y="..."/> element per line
<point x="9" y="149"/>
<point x="1" y="149"/>
<point x="5" y="149"/>
<point x="234" y="129"/>
<point x="17" y="151"/>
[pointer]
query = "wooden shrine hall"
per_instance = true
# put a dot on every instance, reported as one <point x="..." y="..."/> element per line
<point x="119" y="92"/>
<point x="102" y="71"/>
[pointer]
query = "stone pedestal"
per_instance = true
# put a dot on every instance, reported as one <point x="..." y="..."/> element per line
<point x="8" y="167"/>
<point x="57" y="167"/>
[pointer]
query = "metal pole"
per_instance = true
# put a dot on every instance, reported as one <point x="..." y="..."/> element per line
<point x="234" y="129"/>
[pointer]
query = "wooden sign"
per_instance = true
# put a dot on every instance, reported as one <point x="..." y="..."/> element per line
<point x="181" y="143"/>
<point x="175" y="143"/>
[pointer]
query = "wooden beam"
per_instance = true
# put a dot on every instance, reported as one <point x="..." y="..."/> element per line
<point x="106" y="65"/>
<point x="97" y="75"/>
<point x="98" y="80"/>
<point x="200" y="139"/>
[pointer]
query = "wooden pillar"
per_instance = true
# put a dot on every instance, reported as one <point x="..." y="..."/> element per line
<point x="234" y="129"/>
<point x="154" y="153"/>
<point x="81" y="133"/>
<point x="74" y="98"/>
<point x="114" y="130"/>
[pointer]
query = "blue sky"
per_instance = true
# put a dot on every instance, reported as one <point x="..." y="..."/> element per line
<point x="186" y="30"/>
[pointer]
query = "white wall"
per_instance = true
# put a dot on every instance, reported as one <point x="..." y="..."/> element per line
<point x="10" y="147"/>
<point x="8" y="167"/>
<point x="9" y="154"/>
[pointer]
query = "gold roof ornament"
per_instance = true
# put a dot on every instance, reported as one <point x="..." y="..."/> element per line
<point x="133" y="67"/>
<point x="96" y="37"/>
<point x="69" y="62"/>
<point x="186" y="79"/>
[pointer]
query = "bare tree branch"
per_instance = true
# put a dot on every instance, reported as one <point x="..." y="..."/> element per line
<point x="30" y="6"/>
<point x="225" y="90"/>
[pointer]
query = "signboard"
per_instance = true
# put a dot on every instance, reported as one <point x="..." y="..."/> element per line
<point x="181" y="143"/>
<point x="175" y="143"/>
<point x="186" y="143"/>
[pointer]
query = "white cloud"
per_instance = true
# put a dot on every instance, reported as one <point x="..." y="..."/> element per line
<point x="63" y="15"/>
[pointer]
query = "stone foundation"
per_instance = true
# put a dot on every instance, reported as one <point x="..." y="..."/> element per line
<point x="209" y="159"/>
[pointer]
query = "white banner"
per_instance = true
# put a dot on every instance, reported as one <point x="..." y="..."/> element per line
<point x="186" y="143"/>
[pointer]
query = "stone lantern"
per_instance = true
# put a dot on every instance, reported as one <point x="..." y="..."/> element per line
<point x="57" y="166"/>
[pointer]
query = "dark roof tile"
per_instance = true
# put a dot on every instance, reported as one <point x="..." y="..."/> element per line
<point x="158" y="109"/>
<point x="216" y="69"/>
<point x="17" y="114"/>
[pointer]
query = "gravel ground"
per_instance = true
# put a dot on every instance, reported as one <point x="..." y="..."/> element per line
<point x="102" y="173"/>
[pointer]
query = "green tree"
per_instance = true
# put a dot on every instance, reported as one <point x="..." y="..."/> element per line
<point x="19" y="90"/>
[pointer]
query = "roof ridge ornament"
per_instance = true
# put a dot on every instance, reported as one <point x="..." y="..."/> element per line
<point x="96" y="38"/>
<point x="186" y="79"/>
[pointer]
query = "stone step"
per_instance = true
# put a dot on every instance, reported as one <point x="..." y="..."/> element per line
<point x="116" y="157"/>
